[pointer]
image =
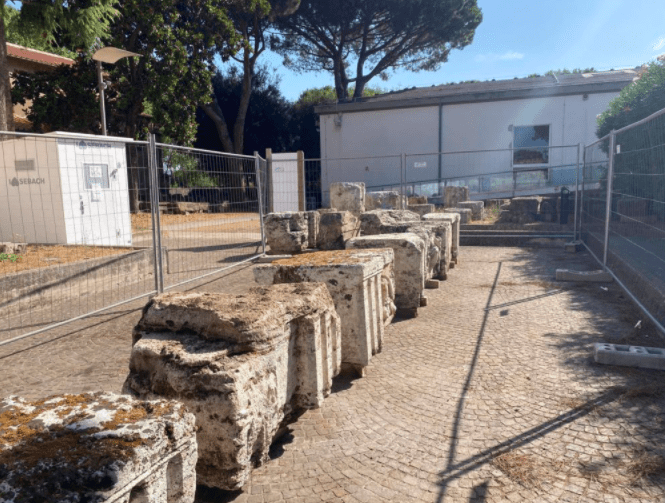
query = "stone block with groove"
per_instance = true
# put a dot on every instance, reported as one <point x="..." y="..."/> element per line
<point x="454" y="220"/>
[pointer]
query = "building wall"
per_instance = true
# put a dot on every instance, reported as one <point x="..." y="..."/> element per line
<point x="465" y="127"/>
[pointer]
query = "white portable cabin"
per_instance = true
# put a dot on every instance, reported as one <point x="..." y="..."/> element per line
<point x="64" y="188"/>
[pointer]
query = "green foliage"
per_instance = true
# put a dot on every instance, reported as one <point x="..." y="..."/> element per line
<point x="374" y="37"/>
<point x="185" y="170"/>
<point x="637" y="100"/>
<point x="29" y="36"/>
<point x="9" y="257"/>
<point x="326" y="94"/>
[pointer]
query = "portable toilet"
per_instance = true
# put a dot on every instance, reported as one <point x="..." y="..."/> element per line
<point x="64" y="188"/>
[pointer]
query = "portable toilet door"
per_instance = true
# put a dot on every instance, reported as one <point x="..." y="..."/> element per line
<point x="95" y="191"/>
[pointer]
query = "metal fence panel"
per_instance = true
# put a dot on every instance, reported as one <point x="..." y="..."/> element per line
<point x="70" y="198"/>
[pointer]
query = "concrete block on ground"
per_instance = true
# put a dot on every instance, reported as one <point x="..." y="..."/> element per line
<point x="13" y="248"/>
<point x="383" y="200"/>
<point x="287" y="232"/>
<point x="357" y="281"/>
<point x="584" y="276"/>
<point x="410" y="259"/>
<point x="97" y="447"/>
<point x="629" y="356"/>
<point x="454" y="195"/>
<point x="335" y="228"/>
<point x="348" y="196"/>
<point x="574" y="246"/>
<point x="476" y="208"/>
<point x="454" y="219"/>
<point x="464" y="213"/>
<point x="414" y="200"/>
<point x="243" y="364"/>
<point x="421" y="209"/>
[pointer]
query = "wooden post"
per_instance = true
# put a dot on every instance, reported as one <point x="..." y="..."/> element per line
<point x="301" y="181"/>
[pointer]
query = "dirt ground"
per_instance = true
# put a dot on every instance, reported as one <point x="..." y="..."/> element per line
<point x="246" y="226"/>
<point x="143" y="221"/>
<point x="46" y="255"/>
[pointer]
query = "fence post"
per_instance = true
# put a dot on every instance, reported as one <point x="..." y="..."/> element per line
<point x="608" y="203"/>
<point x="402" y="172"/>
<point x="582" y="191"/>
<point x="577" y="189"/>
<point x="257" y="168"/>
<point x="154" y="209"/>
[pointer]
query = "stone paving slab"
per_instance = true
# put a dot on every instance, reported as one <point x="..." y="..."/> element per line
<point x="490" y="395"/>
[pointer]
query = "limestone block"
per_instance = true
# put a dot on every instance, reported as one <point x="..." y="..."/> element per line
<point x="287" y="232"/>
<point x="464" y="213"/>
<point x="185" y="208"/>
<point x="525" y="205"/>
<point x="421" y="209"/>
<point x="383" y="200"/>
<point x="96" y="447"/>
<point x="335" y="228"/>
<point x="13" y="248"/>
<point x="373" y="222"/>
<point x="454" y="195"/>
<point x="410" y="257"/>
<point x="355" y="280"/>
<point x="347" y="196"/>
<point x="313" y="221"/>
<point x="454" y="219"/>
<point x="414" y="200"/>
<point x="243" y="364"/>
<point x="443" y="233"/>
<point x="476" y="208"/>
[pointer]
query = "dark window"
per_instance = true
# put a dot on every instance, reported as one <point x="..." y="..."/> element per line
<point x="531" y="144"/>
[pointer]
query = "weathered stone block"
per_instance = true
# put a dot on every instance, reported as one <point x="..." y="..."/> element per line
<point x="443" y="233"/>
<point x="454" y="219"/>
<point x="414" y="200"/>
<point x="375" y="221"/>
<point x="287" y="232"/>
<point x="13" y="248"/>
<point x="243" y="364"/>
<point x="184" y="208"/>
<point x="357" y="281"/>
<point x="383" y="200"/>
<point x="348" y="196"/>
<point x="525" y="205"/>
<point x="410" y="260"/>
<point x="313" y="221"/>
<point x="454" y="195"/>
<point x="464" y="213"/>
<point x="421" y="209"/>
<point x="96" y="447"/>
<point x="476" y="208"/>
<point x="335" y="228"/>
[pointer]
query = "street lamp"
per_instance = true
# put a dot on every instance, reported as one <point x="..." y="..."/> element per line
<point x="107" y="55"/>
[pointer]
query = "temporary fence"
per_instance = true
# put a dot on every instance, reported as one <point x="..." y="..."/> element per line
<point x="110" y="220"/>
<point x="623" y="217"/>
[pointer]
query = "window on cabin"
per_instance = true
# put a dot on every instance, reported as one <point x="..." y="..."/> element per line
<point x="531" y="145"/>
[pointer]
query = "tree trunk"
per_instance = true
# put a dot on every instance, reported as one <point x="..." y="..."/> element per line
<point x="214" y="111"/>
<point x="6" y="108"/>
<point x="341" y="81"/>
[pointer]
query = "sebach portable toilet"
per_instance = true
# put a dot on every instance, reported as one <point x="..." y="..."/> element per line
<point x="63" y="188"/>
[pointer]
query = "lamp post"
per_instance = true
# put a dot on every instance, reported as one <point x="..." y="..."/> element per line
<point x="109" y="55"/>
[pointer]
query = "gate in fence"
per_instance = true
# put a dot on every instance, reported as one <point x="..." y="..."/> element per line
<point x="111" y="220"/>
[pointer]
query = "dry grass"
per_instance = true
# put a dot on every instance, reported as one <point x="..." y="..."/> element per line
<point x="520" y="468"/>
<point x="647" y="390"/>
<point x="38" y="256"/>
<point x="644" y="465"/>
<point x="143" y="221"/>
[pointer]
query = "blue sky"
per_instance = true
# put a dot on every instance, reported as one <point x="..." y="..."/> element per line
<point x="520" y="37"/>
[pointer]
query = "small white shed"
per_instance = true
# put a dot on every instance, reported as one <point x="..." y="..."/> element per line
<point x="64" y="188"/>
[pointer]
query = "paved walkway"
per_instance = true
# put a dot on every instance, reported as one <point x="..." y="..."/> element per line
<point x="491" y="394"/>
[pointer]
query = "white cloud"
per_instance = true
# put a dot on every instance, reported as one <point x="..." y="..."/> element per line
<point x="506" y="56"/>
<point x="659" y="44"/>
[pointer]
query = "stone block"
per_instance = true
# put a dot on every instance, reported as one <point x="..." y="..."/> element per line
<point x="184" y="208"/>
<point x="335" y="228"/>
<point x="464" y="213"/>
<point x="525" y="205"/>
<point x="96" y="447"/>
<point x="476" y="208"/>
<point x="410" y="259"/>
<point x="454" y="219"/>
<point x="375" y="221"/>
<point x="584" y="276"/>
<point x="630" y="356"/>
<point x="383" y="200"/>
<point x="454" y="195"/>
<point x="313" y="221"/>
<point x="421" y="209"/>
<point x="13" y="248"/>
<point x="348" y="196"/>
<point x="548" y="211"/>
<point x="243" y="364"/>
<point x="574" y="246"/>
<point x="361" y="283"/>
<point x="443" y="238"/>
<point x="267" y="259"/>
<point x="417" y="200"/>
<point x="286" y="233"/>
